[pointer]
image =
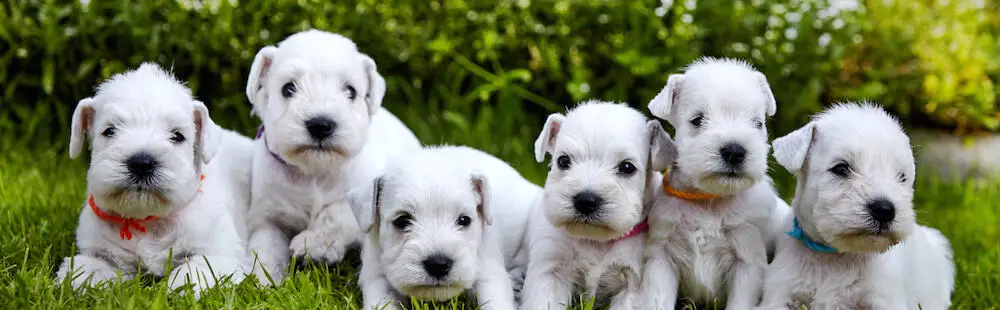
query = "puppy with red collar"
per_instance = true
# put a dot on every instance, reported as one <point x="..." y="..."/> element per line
<point x="155" y="196"/>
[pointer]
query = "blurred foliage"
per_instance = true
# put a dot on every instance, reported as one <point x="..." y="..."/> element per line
<point x="485" y="73"/>
<point x="935" y="61"/>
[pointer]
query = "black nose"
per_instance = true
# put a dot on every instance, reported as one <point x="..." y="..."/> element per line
<point x="586" y="202"/>
<point x="141" y="165"/>
<point x="882" y="210"/>
<point x="320" y="127"/>
<point x="438" y="265"/>
<point x="733" y="154"/>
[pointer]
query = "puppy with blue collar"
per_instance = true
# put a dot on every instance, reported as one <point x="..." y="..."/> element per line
<point x="853" y="241"/>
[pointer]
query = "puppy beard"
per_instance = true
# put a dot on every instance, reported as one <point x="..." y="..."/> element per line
<point x="612" y="221"/>
<point x="433" y="293"/>
<point x="296" y="147"/>
<point x="405" y="272"/>
<point x="708" y="173"/>
<point x="123" y="194"/>
<point x="848" y="228"/>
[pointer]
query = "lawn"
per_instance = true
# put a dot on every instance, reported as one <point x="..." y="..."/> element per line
<point x="42" y="191"/>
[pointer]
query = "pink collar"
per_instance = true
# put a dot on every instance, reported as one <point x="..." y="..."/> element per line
<point x="638" y="229"/>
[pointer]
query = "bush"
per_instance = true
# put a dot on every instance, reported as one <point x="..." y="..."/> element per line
<point x="931" y="61"/>
<point x="458" y="71"/>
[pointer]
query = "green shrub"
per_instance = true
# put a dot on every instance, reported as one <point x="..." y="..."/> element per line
<point x="932" y="61"/>
<point x="477" y="72"/>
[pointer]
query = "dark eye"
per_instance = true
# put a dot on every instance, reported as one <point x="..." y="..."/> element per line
<point x="288" y="90"/>
<point x="841" y="170"/>
<point x="464" y="221"/>
<point x="351" y="93"/>
<point x="109" y="132"/>
<point x="178" y="137"/>
<point x="563" y="162"/>
<point x="626" y="168"/>
<point x="698" y="118"/>
<point x="902" y="177"/>
<point x="759" y="124"/>
<point x="403" y="221"/>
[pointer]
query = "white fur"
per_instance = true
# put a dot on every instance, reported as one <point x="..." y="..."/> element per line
<point x="900" y="266"/>
<point x="572" y="254"/>
<point x="201" y="228"/>
<point x="433" y="187"/>
<point x="713" y="251"/>
<point x="301" y="209"/>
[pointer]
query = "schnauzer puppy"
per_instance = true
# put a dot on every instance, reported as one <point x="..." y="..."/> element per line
<point x="166" y="186"/>
<point x="440" y="221"/>
<point x="710" y="225"/>
<point x="324" y="132"/>
<point x="853" y="241"/>
<point x="588" y="235"/>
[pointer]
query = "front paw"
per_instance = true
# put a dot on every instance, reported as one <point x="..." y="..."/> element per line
<point x="85" y="271"/>
<point x="268" y="274"/>
<point x="325" y="248"/>
<point x="199" y="277"/>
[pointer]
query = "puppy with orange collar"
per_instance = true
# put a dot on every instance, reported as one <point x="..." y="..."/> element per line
<point x="712" y="223"/>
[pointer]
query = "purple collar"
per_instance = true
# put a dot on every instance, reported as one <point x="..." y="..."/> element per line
<point x="260" y="135"/>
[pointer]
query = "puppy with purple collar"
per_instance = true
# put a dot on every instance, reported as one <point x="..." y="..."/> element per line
<point x="324" y="132"/>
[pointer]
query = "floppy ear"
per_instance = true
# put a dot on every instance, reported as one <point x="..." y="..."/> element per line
<point x="662" y="150"/>
<point x="772" y="106"/>
<point x="791" y="150"/>
<point x="258" y="72"/>
<point x="547" y="138"/>
<point x="663" y="103"/>
<point x="207" y="138"/>
<point x="83" y="119"/>
<point x="481" y="189"/>
<point x="365" y="202"/>
<point x="376" y="84"/>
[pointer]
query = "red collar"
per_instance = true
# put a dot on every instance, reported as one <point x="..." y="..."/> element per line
<point x="638" y="229"/>
<point x="127" y="224"/>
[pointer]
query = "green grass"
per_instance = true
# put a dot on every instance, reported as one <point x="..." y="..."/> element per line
<point x="42" y="191"/>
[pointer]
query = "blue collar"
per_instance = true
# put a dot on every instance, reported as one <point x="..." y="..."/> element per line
<point x="798" y="233"/>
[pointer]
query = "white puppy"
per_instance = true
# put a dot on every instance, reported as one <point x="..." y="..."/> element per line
<point x="440" y="221"/>
<point x="710" y="224"/>
<point x="853" y="207"/>
<point x="324" y="132"/>
<point x="588" y="236"/>
<point x="152" y="201"/>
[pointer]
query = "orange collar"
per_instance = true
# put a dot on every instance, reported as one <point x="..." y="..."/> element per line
<point x="682" y="194"/>
<point x="127" y="224"/>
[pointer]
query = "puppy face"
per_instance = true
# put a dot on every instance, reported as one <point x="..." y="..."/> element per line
<point x="315" y="94"/>
<point x="718" y="108"/>
<point x="429" y="220"/>
<point x="855" y="194"/>
<point x="598" y="175"/>
<point x="147" y="137"/>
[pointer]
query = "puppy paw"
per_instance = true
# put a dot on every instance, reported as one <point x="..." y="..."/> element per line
<point x="318" y="247"/>
<point x="199" y="277"/>
<point x="86" y="271"/>
<point x="266" y="274"/>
